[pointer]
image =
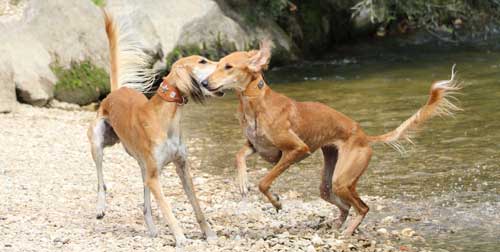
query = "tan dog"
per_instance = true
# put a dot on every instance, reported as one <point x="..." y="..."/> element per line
<point x="283" y="131"/>
<point x="149" y="130"/>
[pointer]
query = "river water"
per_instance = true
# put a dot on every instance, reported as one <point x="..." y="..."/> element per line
<point x="446" y="186"/>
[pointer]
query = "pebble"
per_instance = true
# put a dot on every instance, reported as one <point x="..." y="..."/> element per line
<point x="382" y="231"/>
<point x="388" y="220"/>
<point x="408" y="232"/>
<point x="311" y="248"/>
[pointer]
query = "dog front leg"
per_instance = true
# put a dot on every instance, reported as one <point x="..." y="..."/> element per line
<point x="153" y="183"/>
<point x="148" y="217"/>
<point x="293" y="150"/>
<point x="187" y="183"/>
<point x="241" y="165"/>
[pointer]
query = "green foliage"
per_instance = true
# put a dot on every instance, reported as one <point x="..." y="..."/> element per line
<point x="253" y="11"/>
<point x="82" y="83"/>
<point x="99" y="3"/>
<point x="219" y="48"/>
<point x="275" y="8"/>
<point x="432" y="14"/>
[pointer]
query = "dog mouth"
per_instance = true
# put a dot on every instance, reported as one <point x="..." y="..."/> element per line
<point x="216" y="91"/>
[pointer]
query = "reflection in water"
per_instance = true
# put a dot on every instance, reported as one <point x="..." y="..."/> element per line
<point x="451" y="175"/>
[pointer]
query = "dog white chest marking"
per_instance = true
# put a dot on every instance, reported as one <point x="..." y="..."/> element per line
<point x="169" y="150"/>
<point x="171" y="147"/>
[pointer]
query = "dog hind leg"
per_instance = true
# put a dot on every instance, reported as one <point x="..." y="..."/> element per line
<point x="96" y="136"/>
<point x="353" y="161"/>
<point x="330" y="154"/>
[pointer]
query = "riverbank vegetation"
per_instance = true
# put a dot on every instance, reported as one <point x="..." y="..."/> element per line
<point x="318" y="25"/>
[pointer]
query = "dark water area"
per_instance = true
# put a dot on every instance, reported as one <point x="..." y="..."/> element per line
<point x="447" y="183"/>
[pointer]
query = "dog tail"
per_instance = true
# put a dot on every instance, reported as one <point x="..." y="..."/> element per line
<point x="438" y="104"/>
<point x="131" y="66"/>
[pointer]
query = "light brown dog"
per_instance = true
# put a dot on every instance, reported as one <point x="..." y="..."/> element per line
<point x="149" y="130"/>
<point x="283" y="131"/>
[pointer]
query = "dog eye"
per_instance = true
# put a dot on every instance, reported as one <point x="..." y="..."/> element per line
<point x="203" y="61"/>
<point x="227" y="67"/>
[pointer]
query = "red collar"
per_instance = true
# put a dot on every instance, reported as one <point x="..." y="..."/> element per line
<point x="171" y="94"/>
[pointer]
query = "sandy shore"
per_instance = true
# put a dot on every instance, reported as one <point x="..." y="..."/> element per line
<point x="48" y="193"/>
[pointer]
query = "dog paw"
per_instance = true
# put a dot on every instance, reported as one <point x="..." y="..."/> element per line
<point x="180" y="241"/>
<point x="100" y="214"/>
<point x="244" y="188"/>
<point x="153" y="232"/>
<point x="277" y="197"/>
<point x="277" y="207"/>
<point x="211" y="236"/>
<point x="347" y="233"/>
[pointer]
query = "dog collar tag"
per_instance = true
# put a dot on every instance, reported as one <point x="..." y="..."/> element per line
<point x="261" y="84"/>
<point x="164" y="88"/>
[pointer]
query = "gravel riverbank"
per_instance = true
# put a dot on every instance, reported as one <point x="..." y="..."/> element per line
<point x="48" y="193"/>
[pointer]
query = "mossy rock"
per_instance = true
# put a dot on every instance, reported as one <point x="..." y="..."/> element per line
<point x="82" y="83"/>
<point x="221" y="48"/>
<point x="214" y="51"/>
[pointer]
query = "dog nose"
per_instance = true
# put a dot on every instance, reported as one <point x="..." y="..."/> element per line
<point x="204" y="83"/>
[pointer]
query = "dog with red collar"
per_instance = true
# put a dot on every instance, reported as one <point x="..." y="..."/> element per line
<point x="149" y="130"/>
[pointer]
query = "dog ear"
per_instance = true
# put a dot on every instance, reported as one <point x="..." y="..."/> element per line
<point x="187" y="85"/>
<point x="260" y="60"/>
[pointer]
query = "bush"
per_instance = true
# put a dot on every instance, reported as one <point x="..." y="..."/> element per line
<point x="433" y="14"/>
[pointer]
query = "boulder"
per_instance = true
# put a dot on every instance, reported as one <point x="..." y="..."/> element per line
<point x="159" y="22"/>
<point x="7" y="87"/>
<point x="38" y="37"/>
<point x="39" y="34"/>
<point x="200" y="24"/>
<point x="221" y="27"/>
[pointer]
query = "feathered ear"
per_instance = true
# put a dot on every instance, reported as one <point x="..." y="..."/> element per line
<point x="187" y="84"/>
<point x="260" y="60"/>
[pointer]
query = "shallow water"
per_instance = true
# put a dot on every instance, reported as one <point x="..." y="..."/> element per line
<point x="449" y="179"/>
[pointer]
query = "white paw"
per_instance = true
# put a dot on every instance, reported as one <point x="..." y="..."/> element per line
<point x="100" y="212"/>
<point x="211" y="236"/>
<point x="180" y="241"/>
<point x="153" y="232"/>
<point x="243" y="188"/>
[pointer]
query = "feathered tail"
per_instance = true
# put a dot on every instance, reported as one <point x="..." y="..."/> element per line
<point x="438" y="104"/>
<point x="131" y="66"/>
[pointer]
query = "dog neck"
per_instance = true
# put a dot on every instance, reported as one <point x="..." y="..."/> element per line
<point x="256" y="87"/>
<point x="170" y="93"/>
<point x="167" y="102"/>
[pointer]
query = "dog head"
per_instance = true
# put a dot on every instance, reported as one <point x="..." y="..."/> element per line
<point x="189" y="72"/>
<point x="238" y="69"/>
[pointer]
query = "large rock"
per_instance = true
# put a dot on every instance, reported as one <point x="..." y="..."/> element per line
<point x="169" y="24"/>
<point x="36" y="34"/>
<point x="222" y="27"/>
<point x="159" y="22"/>
<point x="7" y="87"/>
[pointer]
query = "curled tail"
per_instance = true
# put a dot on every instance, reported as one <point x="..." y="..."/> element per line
<point x="438" y="104"/>
<point x="131" y="66"/>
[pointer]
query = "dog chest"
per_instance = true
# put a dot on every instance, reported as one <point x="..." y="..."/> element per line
<point x="261" y="143"/>
<point x="168" y="150"/>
